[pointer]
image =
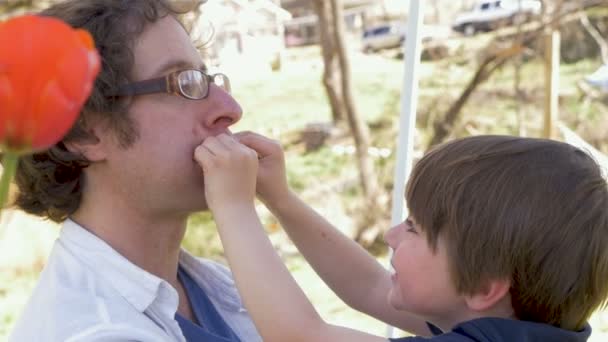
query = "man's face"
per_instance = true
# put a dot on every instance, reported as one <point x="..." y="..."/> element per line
<point x="157" y="173"/>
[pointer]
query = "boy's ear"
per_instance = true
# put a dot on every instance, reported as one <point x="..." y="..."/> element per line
<point x="92" y="147"/>
<point x="491" y="293"/>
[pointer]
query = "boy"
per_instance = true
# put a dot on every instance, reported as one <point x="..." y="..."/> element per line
<point x="507" y="240"/>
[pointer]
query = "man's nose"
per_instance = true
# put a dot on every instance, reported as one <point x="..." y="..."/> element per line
<point x="222" y="109"/>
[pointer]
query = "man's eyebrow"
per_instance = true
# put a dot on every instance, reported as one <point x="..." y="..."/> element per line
<point x="176" y="64"/>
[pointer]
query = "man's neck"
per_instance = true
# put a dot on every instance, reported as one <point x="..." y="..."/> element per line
<point x="150" y="242"/>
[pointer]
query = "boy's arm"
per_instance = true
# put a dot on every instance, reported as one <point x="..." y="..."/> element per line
<point x="348" y="269"/>
<point x="278" y="307"/>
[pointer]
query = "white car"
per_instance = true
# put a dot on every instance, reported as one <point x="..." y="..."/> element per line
<point x="382" y="37"/>
<point x="599" y="78"/>
<point x="489" y="14"/>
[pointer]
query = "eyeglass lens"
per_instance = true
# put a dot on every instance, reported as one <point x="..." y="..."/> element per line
<point x="195" y="85"/>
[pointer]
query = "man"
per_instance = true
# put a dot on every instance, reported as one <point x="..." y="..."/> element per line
<point x="124" y="182"/>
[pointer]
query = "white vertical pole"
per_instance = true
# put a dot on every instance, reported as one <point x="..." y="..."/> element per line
<point x="552" y="60"/>
<point x="407" y="121"/>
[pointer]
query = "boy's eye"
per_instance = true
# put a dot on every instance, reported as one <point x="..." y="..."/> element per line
<point x="409" y="225"/>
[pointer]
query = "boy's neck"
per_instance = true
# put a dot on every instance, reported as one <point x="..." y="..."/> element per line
<point x="502" y="309"/>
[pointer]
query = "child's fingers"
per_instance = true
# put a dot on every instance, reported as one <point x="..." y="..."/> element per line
<point x="236" y="146"/>
<point x="204" y="157"/>
<point x="228" y="141"/>
<point x="215" y="146"/>
<point x="253" y="140"/>
<point x="261" y="144"/>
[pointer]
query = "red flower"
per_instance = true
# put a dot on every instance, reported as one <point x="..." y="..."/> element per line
<point x="47" y="70"/>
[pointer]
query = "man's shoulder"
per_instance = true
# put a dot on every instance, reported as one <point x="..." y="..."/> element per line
<point x="70" y="314"/>
<point x="85" y="332"/>
<point x="71" y="302"/>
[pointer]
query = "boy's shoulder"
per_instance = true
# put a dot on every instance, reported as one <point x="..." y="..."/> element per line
<point x="438" y="335"/>
<point x="499" y="329"/>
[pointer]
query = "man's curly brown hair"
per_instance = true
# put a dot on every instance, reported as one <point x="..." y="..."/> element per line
<point x="51" y="182"/>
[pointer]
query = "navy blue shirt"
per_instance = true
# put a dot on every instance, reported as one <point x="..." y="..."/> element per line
<point x="211" y="326"/>
<point x="499" y="329"/>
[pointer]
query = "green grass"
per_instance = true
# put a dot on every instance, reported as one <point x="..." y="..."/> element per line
<point x="295" y="97"/>
<point x="15" y="287"/>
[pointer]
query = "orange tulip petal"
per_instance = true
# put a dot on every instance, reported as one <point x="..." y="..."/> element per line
<point x="86" y="38"/>
<point x="6" y="104"/>
<point x="55" y="104"/>
<point x="72" y="72"/>
<point x="49" y="69"/>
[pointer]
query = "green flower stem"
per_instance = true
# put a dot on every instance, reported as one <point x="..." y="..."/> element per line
<point x="9" y="164"/>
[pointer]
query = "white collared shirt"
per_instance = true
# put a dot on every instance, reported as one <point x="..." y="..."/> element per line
<point x="89" y="292"/>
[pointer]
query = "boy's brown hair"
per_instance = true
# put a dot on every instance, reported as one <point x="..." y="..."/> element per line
<point x="531" y="211"/>
<point x="50" y="182"/>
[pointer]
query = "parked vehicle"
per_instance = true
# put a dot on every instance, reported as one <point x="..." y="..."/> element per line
<point x="491" y="14"/>
<point x="382" y="37"/>
<point x="599" y="78"/>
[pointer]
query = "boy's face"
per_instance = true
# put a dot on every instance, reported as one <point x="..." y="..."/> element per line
<point x="158" y="171"/>
<point x="421" y="284"/>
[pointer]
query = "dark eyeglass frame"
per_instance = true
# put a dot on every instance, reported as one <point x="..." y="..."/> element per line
<point x="168" y="84"/>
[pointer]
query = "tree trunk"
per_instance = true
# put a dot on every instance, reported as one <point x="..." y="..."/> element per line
<point x="331" y="74"/>
<point x="518" y="92"/>
<point x="493" y="62"/>
<point x="597" y="37"/>
<point x="357" y="126"/>
<point x="487" y="67"/>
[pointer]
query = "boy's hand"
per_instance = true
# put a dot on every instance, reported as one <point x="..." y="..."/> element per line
<point x="272" y="183"/>
<point x="230" y="170"/>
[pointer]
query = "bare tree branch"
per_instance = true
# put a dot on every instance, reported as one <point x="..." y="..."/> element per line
<point x="490" y="64"/>
<point x="495" y="60"/>
<point x="596" y="35"/>
<point x="331" y="74"/>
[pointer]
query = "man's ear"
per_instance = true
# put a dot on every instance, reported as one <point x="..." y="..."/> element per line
<point x="92" y="147"/>
<point x="487" y="296"/>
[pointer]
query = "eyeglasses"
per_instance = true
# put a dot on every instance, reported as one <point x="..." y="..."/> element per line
<point x="192" y="84"/>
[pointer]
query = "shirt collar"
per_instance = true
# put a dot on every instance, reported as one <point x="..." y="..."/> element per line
<point x="214" y="279"/>
<point x="137" y="286"/>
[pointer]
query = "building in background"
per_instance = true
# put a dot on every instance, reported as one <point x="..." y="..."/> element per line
<point x="244" y="33"/>
<point x="362" y="15"/>
<point x="303" y="29"/>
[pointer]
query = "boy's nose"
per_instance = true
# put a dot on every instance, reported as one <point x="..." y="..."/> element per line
<point x="222" y="110"/>
<point x="390" y="235"/>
